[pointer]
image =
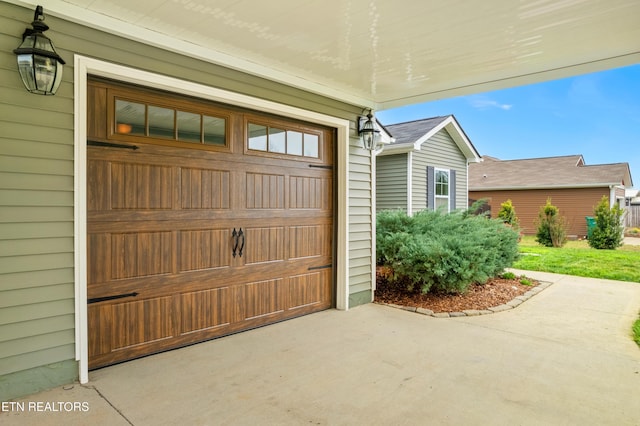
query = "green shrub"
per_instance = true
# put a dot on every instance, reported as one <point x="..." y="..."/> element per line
<point x="525" y="281"/>
<point x="636" y="331"/>
<point x="435" y="251"/>
<point x="552" y="227"/>
<point x="607" y="234"/>
<point x="508" y="214"/>
<point x="508" y="276"/>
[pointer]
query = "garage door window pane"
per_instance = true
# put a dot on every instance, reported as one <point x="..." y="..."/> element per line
<point x="277" y="141"/>
<point x="311" y="145"/>
<point x="129" y="117"/>
<point x="214" y="130"/>
<point x="294" y="143"/>
<point x="161" y="122"/>
<point x="257" y="137"/>
<point x="189" y="127"/>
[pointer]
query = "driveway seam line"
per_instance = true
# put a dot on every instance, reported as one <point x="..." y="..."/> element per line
<point x="109" y="402"/>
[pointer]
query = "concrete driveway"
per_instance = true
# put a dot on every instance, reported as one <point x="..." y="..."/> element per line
<point x="564" y="357"/>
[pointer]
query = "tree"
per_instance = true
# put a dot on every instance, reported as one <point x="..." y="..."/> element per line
<point x="508" y="214"/>
<point x="552" y="227"/>
<point x="607" y="233"/>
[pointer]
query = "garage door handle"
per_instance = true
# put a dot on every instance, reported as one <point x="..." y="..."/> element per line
<point x="241" y="234"/>
<point x="234" y="235"/>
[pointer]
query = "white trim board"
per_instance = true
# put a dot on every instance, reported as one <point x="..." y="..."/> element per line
<point x="85" y="66"/>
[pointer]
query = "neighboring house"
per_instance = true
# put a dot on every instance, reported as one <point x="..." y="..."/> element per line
<point x="574" y="187"/>
<point x="425" y="167"/>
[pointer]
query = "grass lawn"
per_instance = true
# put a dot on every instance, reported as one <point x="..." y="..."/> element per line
<point x="577" y="258"/>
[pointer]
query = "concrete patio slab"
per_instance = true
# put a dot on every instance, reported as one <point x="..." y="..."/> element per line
<point x="564" y="356"/>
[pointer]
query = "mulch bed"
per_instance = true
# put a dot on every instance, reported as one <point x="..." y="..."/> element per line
<point x="497" y="291"/>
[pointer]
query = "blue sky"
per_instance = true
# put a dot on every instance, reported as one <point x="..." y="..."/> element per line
<point x="596" y="115"/>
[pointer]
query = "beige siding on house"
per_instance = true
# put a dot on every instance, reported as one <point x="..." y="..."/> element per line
<point x="391" y="182"/>
<point x="36" y="184"/>
<point x="574" y="205"/>
<point x="439" y="151"/>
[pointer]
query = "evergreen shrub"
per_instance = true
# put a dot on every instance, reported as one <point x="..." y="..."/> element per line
<point x="507" y="213"/>
<point x="436" y="251"/>
<point x="607" y="233"/>
<point x="552" y="227"/>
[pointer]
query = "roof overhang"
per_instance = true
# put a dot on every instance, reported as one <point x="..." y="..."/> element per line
<point x="567" y="186"/>
<point x="379" y="54"/>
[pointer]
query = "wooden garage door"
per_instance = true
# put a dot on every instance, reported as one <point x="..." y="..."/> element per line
<point x="203" y="220"/>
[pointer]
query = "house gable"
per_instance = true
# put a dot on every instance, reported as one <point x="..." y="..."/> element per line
<point x="437" y="143"/>
<point x="412" y="135"/>
<point x="440" y="152"/>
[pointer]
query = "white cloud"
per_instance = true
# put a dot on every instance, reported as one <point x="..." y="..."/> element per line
<point x="485" y="103"/>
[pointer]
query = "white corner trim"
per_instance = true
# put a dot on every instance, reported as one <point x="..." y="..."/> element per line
<point x="80" y="215"/>
<point x="85" y="66"/>
<point x="410" y="183"/>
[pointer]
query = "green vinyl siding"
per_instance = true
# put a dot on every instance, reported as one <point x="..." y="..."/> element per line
<point x="439" y="151"/>
<point x="37" y="326"/>
<point x="391" y="182"/>
<point x="37" y="184"/>
<point x="360" y="222"/>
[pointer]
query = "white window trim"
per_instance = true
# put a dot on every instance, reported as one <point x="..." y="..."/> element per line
<point x="83" y="67"/>
<point x="435" y="194"/>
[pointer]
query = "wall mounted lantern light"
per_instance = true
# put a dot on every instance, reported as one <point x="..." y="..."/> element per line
<point x="39" y="64"/>
<point x="369" y="132"/>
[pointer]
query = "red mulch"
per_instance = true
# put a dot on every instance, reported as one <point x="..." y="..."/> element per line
<point x="496" y="291"/>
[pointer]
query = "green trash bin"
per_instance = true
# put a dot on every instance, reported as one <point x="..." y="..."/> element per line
<point x="591" y="224"/>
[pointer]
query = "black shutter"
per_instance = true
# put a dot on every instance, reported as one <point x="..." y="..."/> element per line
<point x="452" y="190"/>
<point x="431" y="187"/>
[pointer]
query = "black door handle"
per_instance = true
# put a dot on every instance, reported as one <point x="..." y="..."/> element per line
<point x="241" y="234"/>
<point x="234" y="235"/>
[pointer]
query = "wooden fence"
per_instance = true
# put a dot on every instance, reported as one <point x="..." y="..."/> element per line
<point x="632" y="218"/>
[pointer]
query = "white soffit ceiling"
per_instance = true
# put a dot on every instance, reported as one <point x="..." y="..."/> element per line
<point x="381" y="53"/>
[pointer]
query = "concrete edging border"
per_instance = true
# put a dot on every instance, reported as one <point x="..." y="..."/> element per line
<point x="517" y="301"/>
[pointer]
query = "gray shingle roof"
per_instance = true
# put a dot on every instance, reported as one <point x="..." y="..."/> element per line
<point x="411" y="131"/>
<point x="568" y="171"/>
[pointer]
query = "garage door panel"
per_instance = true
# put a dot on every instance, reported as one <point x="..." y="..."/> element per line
<point x="205" y="189"/>
<point x="141" y="186"/>
<point x="141" y="254"/>
<point x="309" y="241"/>
<point x="310" y="193"/>
<point x="263" y="245"/>
<point x="264" y="191"/>
<point x="98" y="185"/>
<point x="205" y="249"/>
<point x="100" y="320"/>
<point x="204" y="310"/>
<point x="98" y="258"/>
<point x="140" y="322"/>
<point x="305" y="290"/>
<point x="261" y="298"/>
